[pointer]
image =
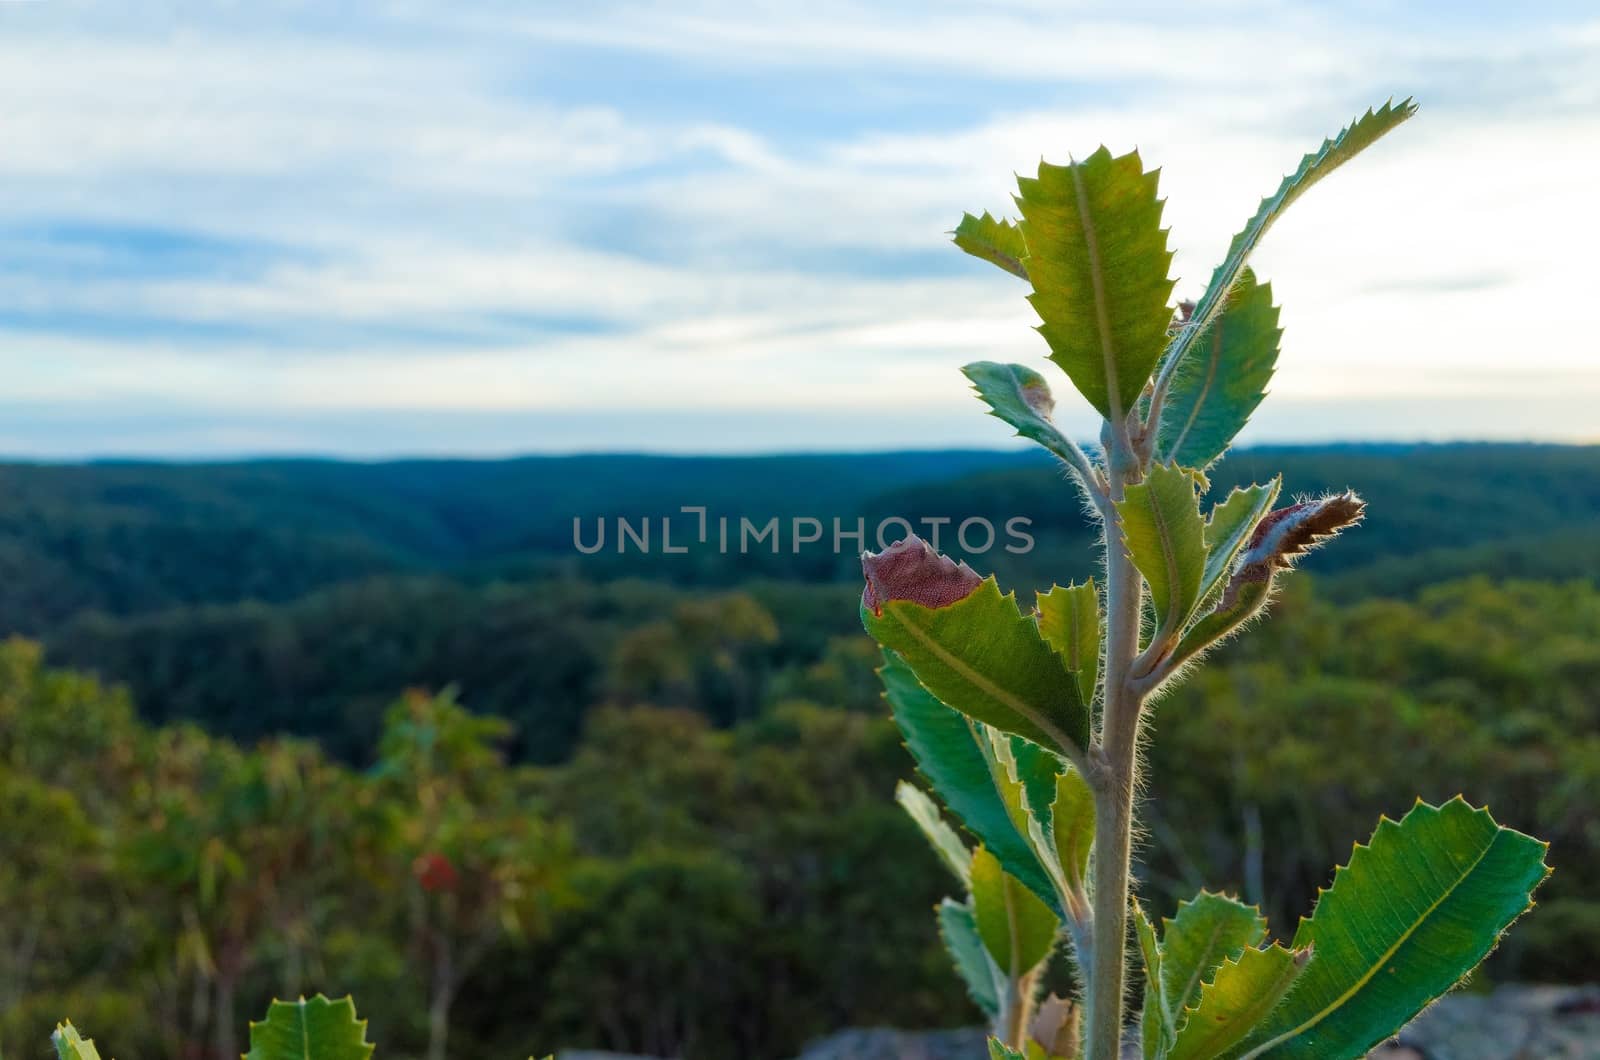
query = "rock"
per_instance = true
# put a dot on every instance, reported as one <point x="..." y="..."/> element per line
<point x="1513" y="1023"/>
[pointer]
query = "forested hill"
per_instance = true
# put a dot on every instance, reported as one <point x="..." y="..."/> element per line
<point x="133" y="538"/>
<point x="302" y="596"/>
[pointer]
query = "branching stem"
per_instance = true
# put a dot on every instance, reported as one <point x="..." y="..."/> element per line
<point x="1114" y="763"/>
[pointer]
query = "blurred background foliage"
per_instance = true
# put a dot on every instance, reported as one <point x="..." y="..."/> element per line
<point x="644" y="802"/>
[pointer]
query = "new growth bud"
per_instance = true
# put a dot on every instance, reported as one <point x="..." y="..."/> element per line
<point x="910" y="570"/>
<point x="1289" y="533"/>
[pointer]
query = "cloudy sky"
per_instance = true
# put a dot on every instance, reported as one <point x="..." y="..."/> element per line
<point x="499" y="227"/>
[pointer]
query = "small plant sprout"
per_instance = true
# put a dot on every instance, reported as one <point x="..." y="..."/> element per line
<point x="1027" y="723"/>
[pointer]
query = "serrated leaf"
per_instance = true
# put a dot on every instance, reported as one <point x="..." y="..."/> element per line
<point x="959" y="930"/>
<point x="940" y="836"/>
<point x="946" y="747"/>
<point x="1219" y="384"/>
<point x="1153" y="1029"/>
<point x="1072" y="825"/>
<point x="1229" y="527"/>
<point x="1017" y="928"/>
<point x="983" y="657"/>
<point x="1206" y="931"/>
<point x="1165" y="536"/>
<point x="995" y="240"/>
<point x="1334" y="152"/>
<point x="1411" y="914"/>
<point x="72" y="1046"/>
<point x="1225" y="620"/>
<point x="1243" y="992"/>
<point x="315" y="1029"/>
<point x="999" y="1050"/>
<point x="1098" y="263"/>
<point x="1021" y="397"/>
<point x="1069" y="619"/>
<point x="1035" y="770"/>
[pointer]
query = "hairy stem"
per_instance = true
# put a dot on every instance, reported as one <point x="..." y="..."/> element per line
<point x="1017" y="1011"/>
<point x="1114" y="775"/>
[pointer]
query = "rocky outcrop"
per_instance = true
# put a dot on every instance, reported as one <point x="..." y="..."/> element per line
<point x="1513" y="1023"/>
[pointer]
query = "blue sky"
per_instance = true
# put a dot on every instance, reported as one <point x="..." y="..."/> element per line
<point x="403" y="228"/>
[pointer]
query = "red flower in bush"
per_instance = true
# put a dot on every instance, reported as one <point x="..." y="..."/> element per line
<point x="435" y="872"/>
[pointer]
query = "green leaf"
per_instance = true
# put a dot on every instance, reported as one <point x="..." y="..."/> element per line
<point x="1333" y="153"/>
<point x="940" y="836"/>
<point x="1224" y="378"/>
<point x="1243" y="992"/>
<point x="1072" y="825"/>
<point x="1410" y="915"/>
<point x="959" y="930"/>
<point x="318" y="1029"/>
<point x="1153" y="1030"/>
<point x="1207" y="930"/>
<point x="1070" y="620"/>
<point x="1229" y="527"/>
<point x="1226" y="620"/>
<point x="998" y="1050"/>
<point x="70" y="1045"/>
<point x="1035" y="770"/>
<point x="947" y="750"/>
<point x="996" y="241"/>
<point x="1017" y="929"/>
<point x="1021" y="397"/>
<point x="1098" y="261"/>
<point x="1166" y="538"/>
<point x="983" y="657"/>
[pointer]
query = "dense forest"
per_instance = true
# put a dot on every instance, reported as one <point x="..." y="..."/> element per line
<point x="280" y="727"/>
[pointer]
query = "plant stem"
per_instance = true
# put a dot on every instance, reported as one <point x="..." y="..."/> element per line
<point x="1114" y="776"/>
<point x="1018" y="1010"/>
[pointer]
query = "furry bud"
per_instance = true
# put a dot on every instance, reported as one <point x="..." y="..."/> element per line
<point x="1288" y="533"/>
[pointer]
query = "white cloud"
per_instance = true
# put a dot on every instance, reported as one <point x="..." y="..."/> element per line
<point x="412" y="175"/>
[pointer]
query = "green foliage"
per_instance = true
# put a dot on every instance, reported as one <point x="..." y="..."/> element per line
<point x="1070" y="620"/>
<point x="1207" y="931"/>
<point x="1334" y="152"/>
<point x="1222" y="381"/>
<point x="72" y="1046"/>
<point x="318" y="1029"/>
<point x="1405" y="920"/>
<point x="983" y="654"/>
<point x="951" y="752"/>
<point x="1021" y="397"/>
<point x="1165" y="536"/>
<point x="1243" y="990"/>
<point x="958" y="927"/>
<point x="995" y="241"/>
<point x="925" y="812"/>
<point x="1097" y="261"/>
<point x="1072" y="826"/>
<point x="1228" y="528"/>
<point x="1016" y="927"/>
<point x="998" y="1050"/>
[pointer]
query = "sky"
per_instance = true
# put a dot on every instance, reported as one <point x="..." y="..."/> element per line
<point x="490" y="228"/>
